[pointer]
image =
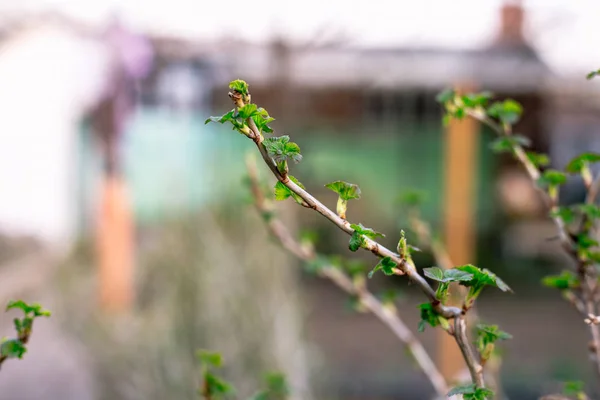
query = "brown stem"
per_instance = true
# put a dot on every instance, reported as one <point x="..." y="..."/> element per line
<point x="475" y="368"/>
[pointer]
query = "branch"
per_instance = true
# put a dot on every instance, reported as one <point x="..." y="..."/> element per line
<point x="387" y="316"/>
<point x="588" y="286"/>
<point x="475" y="368"/>
<point x="403" y="267"/>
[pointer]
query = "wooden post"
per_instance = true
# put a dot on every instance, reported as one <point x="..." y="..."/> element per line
<point x="114" y="223"/>
<point x="459" y="214"/>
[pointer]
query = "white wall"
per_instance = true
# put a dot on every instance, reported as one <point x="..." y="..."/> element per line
<point x="47" y="77"/>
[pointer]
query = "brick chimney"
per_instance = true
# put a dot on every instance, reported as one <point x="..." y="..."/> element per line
<point x="512" y="16"/>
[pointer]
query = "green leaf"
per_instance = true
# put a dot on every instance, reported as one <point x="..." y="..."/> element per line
<point x="239" y="86"/>
<point x="565" y="213"/>
<point x="222" y="118"/>
<point x="489" y="334"/>
<point x="412" y="198"/>
<point x="210" y="358"/>
<point x="277" y="385"/>
<point x="262" y="119"/>
<point x="508" y="111"/>
<point x="346" y="191"/>
<point x="577" y="164"/>
<point x="386" y="265"/>
<point x="591" y="211"/>
<point x="481" y="278"/>
<point x="538" y="159"/>
<point x="566" y="280"/>
<point x="471" y="392"/>
<point x="282" y="192"/>
<point x="12" y="348"/>
<point x="429" y="316"/>
<point x="280" y="149"/>
<point x="584" y="241"/>
<point x="445" y="96"/>
<point x="33" y="310"/>
<point x="217" y="387"/>
<point x="593" y="74"/>
<point x="552" y="177"/>
<point x="446" y="276"/>
<point x="473" y="100"/>
<point x="504" y="144"/>
<point x="368" y="232"/>
<point x="435" y="273"/>
<point x="357" y="240"/>
<point x="573" y="388"/>
<point x="247" y="111"/>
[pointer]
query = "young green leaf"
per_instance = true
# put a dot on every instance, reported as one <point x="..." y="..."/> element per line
<point x="12" y="348"/>
<point x="357" y="240"/>
<point x="552" y="177"/>
<point x="593" y="74"/>
<point x="215" y="387"/>
<point x="209" y="358"/>
<point x="412" y="198"/>
<point x="346" y="191"/>
<point x="386" y="265"/>
<point x="30" y="310"/>
<point x="239" y="86"/>
<point x="247" y="111"/>
<point x="481" y="278"/>
<point x="565" y="213"/>
<point x="574" y="388"/>
<point x="508" y="111"/>
<point x="282" y="192"/>
<point x="577" y="164"/>
<point x="473" y="100"/>
<point x="222" y="118"/>
<point x="591" y="211"/>
<point x="368" y="232"/>
<point x="446" y="276"/>
<point x="430" y="316"/>
<point x="262" y="120"/>
<point x="505" y="144"/>
<point x="487" y="336"/>
<point x="471" y="392"/>
<point x="280" y="149"/>
<point x="538" y="159"/>
<point x="566" y="280"/>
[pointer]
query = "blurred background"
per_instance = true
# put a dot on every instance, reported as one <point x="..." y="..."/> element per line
<point x="127" y="217"/>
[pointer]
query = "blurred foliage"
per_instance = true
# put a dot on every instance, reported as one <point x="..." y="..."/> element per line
<point x="204" y="281"/>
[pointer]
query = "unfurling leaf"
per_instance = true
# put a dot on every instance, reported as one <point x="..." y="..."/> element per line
<point x="12" y="348"/>
<point x="471" y="392"/>
<point x="368" y="232"/>
<point x="566" y="280"/>
<point x="504" y="144"/>
<point x="508" y="111"/>
<point x="487" y="336"/>
<point x="239" y="86"/>
<point x="280" y="149"/>
<point x="538" y="159"/>
<point x="282" y="192"/>
<point x="552" y="177"/>
<point x="357" y="240"/>
<point x="430" y="316"/>
<point x="386" y="265"/>
<point x="346" y="191"/>
<point x="577" y="164"/>
<point x="446" y="276"/>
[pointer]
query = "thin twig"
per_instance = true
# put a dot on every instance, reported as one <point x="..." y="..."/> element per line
<point x="389" y="317"/>
<point x="402" y="266"/>
<point x="475" y="368"/>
